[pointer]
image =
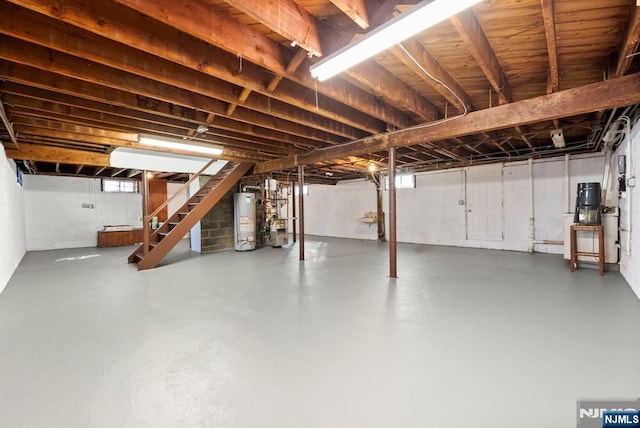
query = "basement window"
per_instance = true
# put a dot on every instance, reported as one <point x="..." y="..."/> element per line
<point x="119" y="186"/>
<point x="403" y="181"/>
<point x="305" y="190"/>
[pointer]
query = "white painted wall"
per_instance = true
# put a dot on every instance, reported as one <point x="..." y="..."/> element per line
<point x="12" y="225"/>
<point x="431" y="214"/>
<point x="630" y="264"/>
<point x="55" y="217"/>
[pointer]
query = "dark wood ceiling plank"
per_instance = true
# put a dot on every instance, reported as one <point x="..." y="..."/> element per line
<point x="629" y="44"/>
<point x="469" y="29"/>
<point x="571" y="102"/>
<point x="70" y="132"/>
<point x="73" y="115"/>
<point x="286" y="18"/>
<point x="131" y="28"/>
<point x="548" y="14"/>
<point x="31" y="76"/>
<point x="523" y="136"/>
<point x="45" y="32"/>
<point x="426" y="64"/>
<point x="206" y="22"/>
<point x="195" y="21"/>
<point x="354" y="9"/>
<point x="40" y="153"/>
<point x="158" y="112"/>
<point x="293" y="65"/>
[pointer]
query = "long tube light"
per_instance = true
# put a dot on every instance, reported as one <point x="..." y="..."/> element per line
<point x="420" y="17"/>
<point x="174" y="145"/>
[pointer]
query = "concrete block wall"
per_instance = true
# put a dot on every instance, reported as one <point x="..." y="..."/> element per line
<point x="12" y="220"/>
<point x="216" y="228"/>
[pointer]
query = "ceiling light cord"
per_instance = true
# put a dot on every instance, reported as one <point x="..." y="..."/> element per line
<point x="435" y="79"/>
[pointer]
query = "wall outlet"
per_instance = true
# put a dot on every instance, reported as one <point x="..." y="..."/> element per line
<point x="461" y="202"/>
<point x="90" y="206"/>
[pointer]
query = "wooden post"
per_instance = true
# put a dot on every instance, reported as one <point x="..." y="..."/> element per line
<point x="301" y="208"/>
<point x="145" y="212"/>
<point x="293" y="212"/>
<point x="393" y="273"/>
<point x="380" y="209"/>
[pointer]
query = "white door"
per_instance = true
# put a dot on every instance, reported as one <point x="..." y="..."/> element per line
<point x="484" y="203"/>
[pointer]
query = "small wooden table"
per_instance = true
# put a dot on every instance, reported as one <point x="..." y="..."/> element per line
<point x="575" y="228"/>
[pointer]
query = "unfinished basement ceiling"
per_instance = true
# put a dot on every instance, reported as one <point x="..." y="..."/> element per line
<point x="80" y="79"/>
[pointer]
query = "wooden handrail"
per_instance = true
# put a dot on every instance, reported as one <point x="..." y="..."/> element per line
<point x="185" y="186"/>
<point x="147" y="218"/>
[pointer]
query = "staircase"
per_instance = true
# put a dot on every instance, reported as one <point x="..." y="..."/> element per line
<point x="159" y="242"/>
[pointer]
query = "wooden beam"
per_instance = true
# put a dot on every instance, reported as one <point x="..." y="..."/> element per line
<point x="413" y="55"/>
<point x="69" y="132"/>
<point x="612" y="93"/>
<point x="118" y="172"/>
<point x="293" y="65"/>
<point x="30" y="108"/>
<point x="244" y="94"/>
<point x="273" y="84"/>
<point x="550" y="30"/>
<point x="123" y="27"/>
<point x="476" y="40"/>
<point x="40" y="153"/>
<point x="161" y="79"/>
<point x="71" y="85"/>
<point x="354" y="9"/>
<point x="117" y="103"/>
<point x="203" y="20"/>
<point x="286" y="18"/>
<point x="629" y="43"/>
<point x="79" y="168"/>
<point x="397" y="92"/>
<point x="524" y="137"/>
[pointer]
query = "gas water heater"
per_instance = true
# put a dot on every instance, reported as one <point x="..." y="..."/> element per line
<point x="244" y="224"/>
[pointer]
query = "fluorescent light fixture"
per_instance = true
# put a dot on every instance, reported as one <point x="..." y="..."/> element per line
<point x="420" y="17"/>
<point x="166" y="143"/>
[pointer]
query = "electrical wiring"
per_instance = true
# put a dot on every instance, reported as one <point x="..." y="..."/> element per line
<point x="419" y="126"/>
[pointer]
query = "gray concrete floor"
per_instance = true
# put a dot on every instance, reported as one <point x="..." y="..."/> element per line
<point x="464" y="337"/>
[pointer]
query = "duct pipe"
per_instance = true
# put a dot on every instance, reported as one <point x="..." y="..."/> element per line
<point x="532" y="228"/>
<point x="548" y="242"/>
